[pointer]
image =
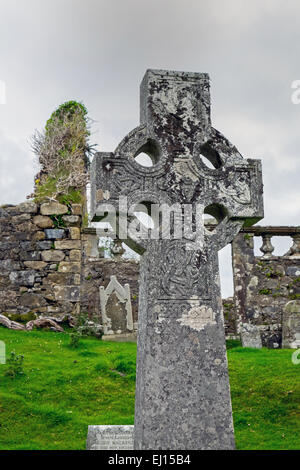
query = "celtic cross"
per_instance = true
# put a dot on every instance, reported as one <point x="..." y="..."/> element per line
<point x="182" y="388"/>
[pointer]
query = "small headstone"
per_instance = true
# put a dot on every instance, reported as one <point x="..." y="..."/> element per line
<point x="250" y="336"/>
<point x="291" y="325"/>
<point x="110" y="438"/>
<point x="116" y="308"/>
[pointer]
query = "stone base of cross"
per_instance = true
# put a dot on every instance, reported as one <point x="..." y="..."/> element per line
<point x="182" y="386"/>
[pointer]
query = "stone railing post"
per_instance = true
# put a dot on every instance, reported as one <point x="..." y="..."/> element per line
<point x="267" y="248"/>
<point x="295" y="248"/>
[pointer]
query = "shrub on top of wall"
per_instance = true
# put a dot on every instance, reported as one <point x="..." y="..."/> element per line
<point x="63" y="151"/>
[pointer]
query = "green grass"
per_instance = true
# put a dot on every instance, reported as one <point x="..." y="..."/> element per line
<point x="265" y="391"/>
<point x="64" y="390"/>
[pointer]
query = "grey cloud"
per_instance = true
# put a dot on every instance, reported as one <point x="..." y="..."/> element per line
<point x="16" y="172"/>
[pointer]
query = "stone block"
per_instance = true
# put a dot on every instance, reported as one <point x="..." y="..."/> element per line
<point x="8" y="265"/>
<point x="55" y="233"/>
<point x="32" y="301"/>
<point x="76" y="209"/>
<point x="27" y="226"/>
<point x="53" y="255"/>
<point x="66" y="279"/>
<point x="7" y="245"/>
<point x="28" y="207"/>
<point x="9" y="300"/>
<point x="27" y="246"/>
<point x="53" y="208"/>
<point x="68" y="245"/>
<point x="23" y="235"/>
<point x="11" y="209"/>
<point x="38" y="236"/>
<point x="30" y="255"/>
<point x="293" y="271"/>
<point x="4" y="280"/>
<point x="110" y="437"/>
<point x="44" y="245"/>
<point x="22" y="278"/>
<point x="53" y="310"/>
<point x="18" y="219"/>
<point x="69" y="267"/>
<point x="43" y="221"/>
<point x="49" y="295"/>
<point x="75" y="255"/>
<point x="35" y="264"/>
<point x="75" y="233"/>
<point x="71" y="219"/>
<point x="69" y="293"/>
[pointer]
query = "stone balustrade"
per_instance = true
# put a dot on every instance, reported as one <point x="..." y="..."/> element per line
<point x="263" y="285"/>
<point x="270" y="231"/>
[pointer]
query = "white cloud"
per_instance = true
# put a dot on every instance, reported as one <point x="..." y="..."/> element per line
<point x="16" y="171"/>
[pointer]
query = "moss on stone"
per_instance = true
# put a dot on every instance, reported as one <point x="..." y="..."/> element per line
<point x="265" y="291"/>
<point x="21" y="317"/>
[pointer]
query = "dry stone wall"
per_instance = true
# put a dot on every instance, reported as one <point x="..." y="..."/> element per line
<point x="50" y="266"/>
<point x="40" y="259"/>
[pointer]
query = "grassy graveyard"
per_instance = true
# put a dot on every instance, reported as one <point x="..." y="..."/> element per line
<point x="49" y="400"/>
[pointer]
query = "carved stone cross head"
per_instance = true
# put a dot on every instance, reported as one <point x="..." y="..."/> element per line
<point x="176" y="133"/>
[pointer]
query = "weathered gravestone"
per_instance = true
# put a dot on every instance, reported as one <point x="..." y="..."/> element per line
<point x="291" y="325"/>
<point x="182" y="389"/>
<point x="250" y="336"/>
<point x="116" y="308"/>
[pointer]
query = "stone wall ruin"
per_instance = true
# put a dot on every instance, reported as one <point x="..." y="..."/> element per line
<point x="50" y="271"/>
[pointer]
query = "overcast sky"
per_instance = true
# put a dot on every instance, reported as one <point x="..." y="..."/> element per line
<point x="97" y="51"/>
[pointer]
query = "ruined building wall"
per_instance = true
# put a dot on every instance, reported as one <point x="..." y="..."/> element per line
<point x="263" y="285"/>
<point x="49" y="271"/>
<point x="40" y="266"/>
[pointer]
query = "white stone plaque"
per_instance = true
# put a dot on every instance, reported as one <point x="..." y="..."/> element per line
<point x="110" y="438"/>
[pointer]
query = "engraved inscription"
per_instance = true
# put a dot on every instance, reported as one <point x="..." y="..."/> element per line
<point x="198" y="318"/>
<point x="112" y="439"/>
<point x="115" y="442"/>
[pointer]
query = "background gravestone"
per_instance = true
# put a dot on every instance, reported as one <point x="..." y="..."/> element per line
<point x="250" y="336"/>
<point x="291" y="325"/>
<point x="116" y="308"/>
<point x="182" y="388"/>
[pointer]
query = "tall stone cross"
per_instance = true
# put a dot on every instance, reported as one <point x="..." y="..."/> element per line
<point x="182" y="387"/>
